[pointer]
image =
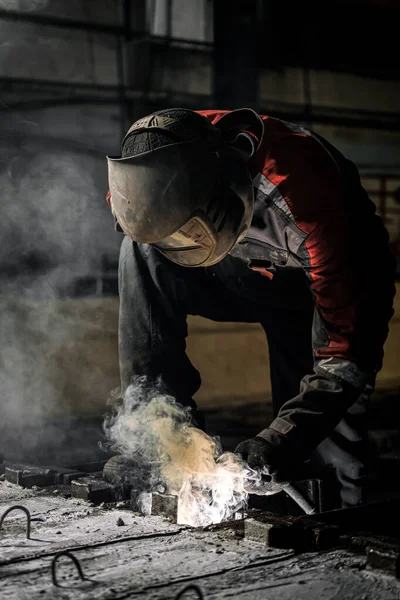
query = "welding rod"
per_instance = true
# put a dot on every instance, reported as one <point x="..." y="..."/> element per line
<point x="299" y="498"/>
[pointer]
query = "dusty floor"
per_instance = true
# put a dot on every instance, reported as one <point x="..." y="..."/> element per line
<point x="152" y="558"/>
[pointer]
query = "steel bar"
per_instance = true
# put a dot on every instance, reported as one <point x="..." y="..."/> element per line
<point x="74" y="560"/>
<point x="192" y="588"/>
<point x="24" y="510"/>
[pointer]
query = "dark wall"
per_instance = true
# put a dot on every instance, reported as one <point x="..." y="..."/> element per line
<point x="339" y="35"/>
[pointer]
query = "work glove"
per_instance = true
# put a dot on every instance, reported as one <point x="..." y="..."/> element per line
<point x="272" y="460"/>
<point x="302" y="423"/>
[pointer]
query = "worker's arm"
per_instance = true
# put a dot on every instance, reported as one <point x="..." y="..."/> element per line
<point x="337" y="379"/>
<point x="338" y="375"/>
<point x="350" y="324"/>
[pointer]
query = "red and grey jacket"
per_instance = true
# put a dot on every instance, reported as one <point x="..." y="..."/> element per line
<point x="311" y="212"/>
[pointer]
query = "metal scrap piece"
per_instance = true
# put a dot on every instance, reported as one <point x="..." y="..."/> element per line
<point x="93" y="490"/>
<point x="386" y="560"/>
<point x="28" y="476"/>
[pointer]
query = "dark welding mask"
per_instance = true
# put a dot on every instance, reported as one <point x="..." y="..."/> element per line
<point x="192" y="200"/>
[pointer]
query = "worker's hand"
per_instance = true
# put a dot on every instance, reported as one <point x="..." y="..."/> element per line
<point x="257" y="452"/>
<point x="268" y="458"/>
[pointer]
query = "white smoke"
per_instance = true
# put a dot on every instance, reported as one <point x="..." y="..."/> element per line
<point x="153" y="430"/>
<point x="45" y="218"/>
<point x="53" y="234"/>
<point x="55" y="230"/>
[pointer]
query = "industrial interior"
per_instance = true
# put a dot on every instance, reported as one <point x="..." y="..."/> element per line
<point x="74" y="76"/>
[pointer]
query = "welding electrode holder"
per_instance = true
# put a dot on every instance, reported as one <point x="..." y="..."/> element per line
<point x="267" y="487"/>
<point x="300" y="500"/>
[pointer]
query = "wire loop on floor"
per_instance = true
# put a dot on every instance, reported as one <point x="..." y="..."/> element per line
<point x="24" y="510"/>
<point x="191" y="587"/>
<point x="74" y="560"/>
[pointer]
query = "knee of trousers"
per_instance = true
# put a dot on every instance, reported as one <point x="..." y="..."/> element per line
<point x="347" y="464"/>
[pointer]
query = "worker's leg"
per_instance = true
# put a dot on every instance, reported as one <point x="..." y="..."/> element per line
<point x="156" y="295"/>
<point x="346" y="452"/>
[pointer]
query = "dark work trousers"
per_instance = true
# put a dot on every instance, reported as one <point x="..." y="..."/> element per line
<point x="156" y="296"/>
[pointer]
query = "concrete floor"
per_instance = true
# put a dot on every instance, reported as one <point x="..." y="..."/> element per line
<point x="152" y="558"/>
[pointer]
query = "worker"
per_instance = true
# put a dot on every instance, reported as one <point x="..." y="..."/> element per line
<point x="241" y="217"/>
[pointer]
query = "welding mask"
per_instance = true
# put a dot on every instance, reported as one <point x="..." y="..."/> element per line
<point x="191" y="200"/>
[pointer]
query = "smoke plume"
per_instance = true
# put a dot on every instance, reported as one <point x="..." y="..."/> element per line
<point x="58" y="354"/>
<point x="54" y="233"/>
<point x="155" y="432"/>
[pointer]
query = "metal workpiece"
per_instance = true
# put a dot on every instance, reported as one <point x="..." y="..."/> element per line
<point x="276" y="532"/>
<point x="28" y="476"/>
<point x="288" y="532"/>
<point x="383" y="559"/>
<point x="155" y="504"/>
<point x="266" y="486"/>
<point x="94" y="490"/>
<point x="165" y="505"/>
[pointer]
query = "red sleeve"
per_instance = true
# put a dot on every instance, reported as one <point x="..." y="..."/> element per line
<point x="313" y="190"/>
<point x="345" y="256"/>
<point x="108" y="198"/>
<point x="334" y="283"/>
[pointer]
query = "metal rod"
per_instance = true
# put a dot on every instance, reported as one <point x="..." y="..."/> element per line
<point x="74" y="560"/>
<point x="300" y="500"/>
<point x="192" y="587"/>
<point x="24" y="510"/>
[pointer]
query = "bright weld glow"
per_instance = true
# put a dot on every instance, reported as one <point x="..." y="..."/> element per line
<point x="184" y="460"/>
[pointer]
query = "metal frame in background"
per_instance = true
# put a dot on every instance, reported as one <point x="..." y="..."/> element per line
<point x="117" y="30"/>
<point x="67" y="93"/>
<point x="64" y="92"/>
<point x="382" y="194"/>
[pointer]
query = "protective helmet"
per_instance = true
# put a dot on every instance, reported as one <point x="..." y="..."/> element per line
<point x="191" y="198"/>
